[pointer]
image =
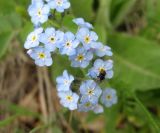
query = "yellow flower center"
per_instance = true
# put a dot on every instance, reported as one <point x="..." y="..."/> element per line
<point x="80" y="57"/>
<point x="87" y="104"/>
<point x="68" y="44"/>
<point x="34" y="38"/>
<point x="39" y="12"/>
<point x="52" y="39"/>
<point x="69" y="98"/>
<point x="41" y="55"/>
<point x="59" y="2"/>
<point x="66" y="82"/>
<point x="87" y="39"/>
<point x="90" y="92"/>
<point x="108" y="97"/>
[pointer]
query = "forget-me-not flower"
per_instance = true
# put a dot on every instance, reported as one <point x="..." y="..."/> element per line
<point x="81" y="58"/>
<point x="103" y="50"/>
<point x="33" y="38"/>
<point x="87" y="38"/>
<point x="59" y="5"/>
<point x="85" y="106"/>
<point x="41" y="56"/>
<point x="39" y="12"/>
<point x="69" y="44"/>
<point x="109" y="97"/>
<point x="81" y="23"/>
<point x="99" y="67"/>
<point x="90" y="90"/>
<point x="33" y="1"/>
<point x="68" y="99"/>
<point x="51" y="38"/>
<point x="98" y="109"/>
<point x="64" y="81"/>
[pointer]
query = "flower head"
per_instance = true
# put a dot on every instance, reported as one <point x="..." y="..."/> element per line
<point x="109" y="97"/>
<point x="69" y="44"/>
<point x="98" y="109"/>
<point x="59" y="5"/>
<point x="39" y="12"/>
<point x="51" y="38"/>
<point x="87" y="37"/>
<point x="33" y="38"/>
<point x="103" y="50"/>
<point x="90" y="90"/>
<point x="101" y="66"/>
<point x="41" y="56"/>
<point x="81" y="58"/>
<point x="68" y="99"/>
<point x="64" y="81"/>
<point x="81" y="23"/>
<point x="86" y="106"/>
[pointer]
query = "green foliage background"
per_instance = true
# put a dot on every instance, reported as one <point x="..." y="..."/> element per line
<point x="132" y="29"/>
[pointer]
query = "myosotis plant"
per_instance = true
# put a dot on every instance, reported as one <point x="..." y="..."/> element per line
<point x="83" y="50"/>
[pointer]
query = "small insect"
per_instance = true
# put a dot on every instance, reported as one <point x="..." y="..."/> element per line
<point x="101" y="75"/>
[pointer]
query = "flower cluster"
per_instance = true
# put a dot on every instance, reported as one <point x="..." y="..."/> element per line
<point x="81" y="48"/>
<point x="68" y="98"/>
<point x="39" y="10"/>
<point x="89" y="95"/>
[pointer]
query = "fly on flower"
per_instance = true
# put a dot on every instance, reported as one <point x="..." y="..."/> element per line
<point x="101" y="70"/>
<point x="81" y="48"/>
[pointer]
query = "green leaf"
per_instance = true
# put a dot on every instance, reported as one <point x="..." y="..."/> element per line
<point x="111" y="116"/>
<point x="10" y="22"/>
<point x="68" y="24"/>
<point x="150" y="119"/>
<point x="62" y="63"/>
<point x="7" y="121"/>
<point x="120" y="10"/>
<point x="101" y="31"/>
<point x="103" y="16"/>
<point x="5" y="39"/>
<point x="18" y="110"/>
<point x="28" y="27"/>
<point x="136" y="62"/>
<point x="7" y="7"/>
<point x="82" y="8"/>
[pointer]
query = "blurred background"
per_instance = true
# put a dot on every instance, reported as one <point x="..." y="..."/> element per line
<point x="28" y="98"/>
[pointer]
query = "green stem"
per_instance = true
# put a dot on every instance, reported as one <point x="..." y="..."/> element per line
<point x="70" y="118"/>
<point x="146" y="112"/>
<point x="83" y="72"/>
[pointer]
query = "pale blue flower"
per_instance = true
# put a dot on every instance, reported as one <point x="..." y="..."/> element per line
<point x="109" y="97"/>
<point x="33" y="38"/>
<point x="86" y="106"/>
<point x="103" y="50"/>
<point x="51" y="38"/>
<point x="81" y="58"/>
<point x="90" y="90"/>
<point x="69" y="44"/>
<point x="64" y="81"/>
<point x="34" y="1"/>
<point x="59" y="5"/>
<point x="81" y="23"/>
<point x="87" y="38"/>
<point x="68" y="99"/>
<point x="41" y="56"/>
<point x="98" y="109"/>
<point x="99" y="66"/>
<point x="39" y="12"/>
